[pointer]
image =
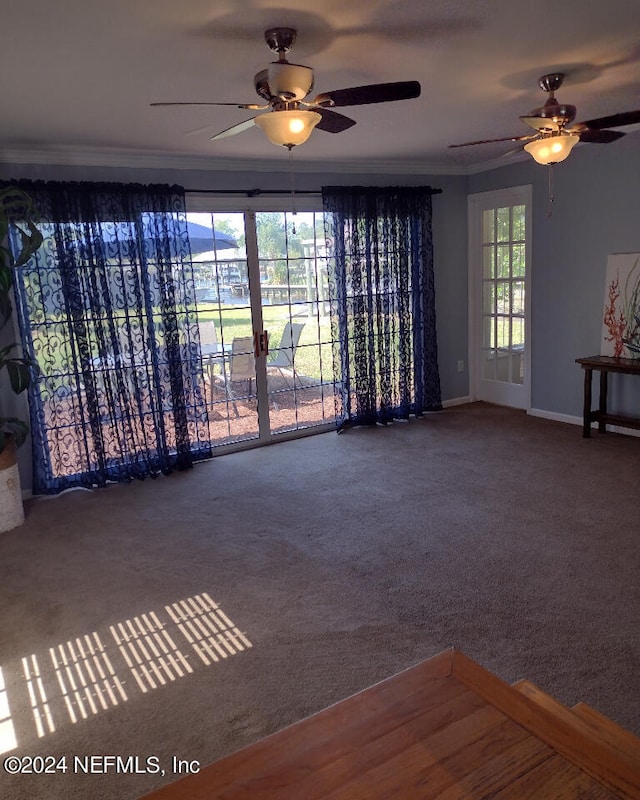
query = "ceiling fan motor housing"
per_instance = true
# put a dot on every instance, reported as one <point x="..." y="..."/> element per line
<point x="289" y="82"/>
<point x="559" y="113"/>
<point x="280" y="40"/>
<point x="551" y="82"/>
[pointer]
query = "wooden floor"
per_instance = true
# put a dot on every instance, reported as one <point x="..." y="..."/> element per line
<point x="441" y="730"/>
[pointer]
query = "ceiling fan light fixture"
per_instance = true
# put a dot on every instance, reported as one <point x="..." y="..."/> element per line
<point x="288" y="128"/>
<point x="552" y="149"/>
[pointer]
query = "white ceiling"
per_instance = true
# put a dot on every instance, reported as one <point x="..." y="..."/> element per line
<point x="78" y="75"/>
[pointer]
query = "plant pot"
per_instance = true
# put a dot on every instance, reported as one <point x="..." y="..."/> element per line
<point x="11" y="508"/>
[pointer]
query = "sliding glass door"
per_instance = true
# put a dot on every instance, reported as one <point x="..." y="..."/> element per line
<point x="263" y="312"/>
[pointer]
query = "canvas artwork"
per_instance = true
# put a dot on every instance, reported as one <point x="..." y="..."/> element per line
<point x="621" y="320"/>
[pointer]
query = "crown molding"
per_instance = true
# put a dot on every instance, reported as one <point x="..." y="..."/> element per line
<point x="497" y="163"/>
<point x="106" y="157"/>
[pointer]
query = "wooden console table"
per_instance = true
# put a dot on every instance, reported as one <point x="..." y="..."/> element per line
<point x="604" y="365"/>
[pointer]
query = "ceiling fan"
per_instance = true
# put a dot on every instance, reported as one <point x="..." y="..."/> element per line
<point x="555" y="133"/>
<point x="284" y="87"/>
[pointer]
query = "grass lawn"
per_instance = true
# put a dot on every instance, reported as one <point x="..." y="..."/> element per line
<point x="314" y="355"/>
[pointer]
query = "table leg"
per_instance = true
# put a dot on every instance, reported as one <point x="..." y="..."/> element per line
<point x="602" y="406"/>
<point x="586" y="412"/>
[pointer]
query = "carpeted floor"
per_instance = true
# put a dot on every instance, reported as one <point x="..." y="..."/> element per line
<point x="191" y="615"/>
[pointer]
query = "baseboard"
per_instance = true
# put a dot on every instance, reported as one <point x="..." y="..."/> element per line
<point x="552" y="415"/>
<point x="456" y="401"/>
<point x="571" y="420"/>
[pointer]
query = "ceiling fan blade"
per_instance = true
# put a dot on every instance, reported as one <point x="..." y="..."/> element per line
<point x="614" y="121"/>
<point x="511" y="151"/>
<point x="239" y="128"/>
<point x="248" y="106"/>
<point x="373" y="93"/>
<point x="332" y="122"/>
<point x="599" y="137"/>
<point x="490" y="141"/>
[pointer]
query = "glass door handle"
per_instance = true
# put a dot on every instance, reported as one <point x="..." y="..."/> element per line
<point x="261" y="343"/>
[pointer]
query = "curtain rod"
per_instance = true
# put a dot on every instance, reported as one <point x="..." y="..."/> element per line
<point x="248" y="192"/>
<point x="259" y="192"/>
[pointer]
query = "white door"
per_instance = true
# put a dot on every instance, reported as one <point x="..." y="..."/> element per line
<point x="499" y="279"/>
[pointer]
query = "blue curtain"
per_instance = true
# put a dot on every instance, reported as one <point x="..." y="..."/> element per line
<point x="382" y="302"/>
<point x="107" y="308"/>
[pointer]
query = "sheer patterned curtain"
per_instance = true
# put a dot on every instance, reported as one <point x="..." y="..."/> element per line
<point x="106" y="307"/>
<point x="382" y="302"/>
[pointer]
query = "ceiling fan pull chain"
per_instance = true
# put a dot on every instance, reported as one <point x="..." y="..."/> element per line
<point x="551" y="198"/>
<point x="292" y="179"/>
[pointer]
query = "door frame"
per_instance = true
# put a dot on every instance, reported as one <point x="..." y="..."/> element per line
<point x="476" y="204"/>
<point x="248" y="205"/>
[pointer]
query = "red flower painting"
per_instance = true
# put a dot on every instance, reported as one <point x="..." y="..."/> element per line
<point x="621" y="320"/>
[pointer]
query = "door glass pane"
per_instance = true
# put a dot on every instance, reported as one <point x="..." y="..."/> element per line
<point x="218" y="246"/>
<point x="504" y="260"/>
<point x="488" y="297"/>
<point x="503" y="328"/>
<point x="517" y="297"/>
<point x="502" y="297"/>
<point x="488" y="331"/>
<point x="488" y="226"/>
<point x="502" y="366"/>
<point x="488" y="261"/>
<point x="503" y="221"/>
<point x="517" y="367"/>
<point x="518" y="260"/>
<point x="518" y="223"/>
<point x="517" y="333"/>
<point x="295" y="309"/>
<point x="489" y="361"/>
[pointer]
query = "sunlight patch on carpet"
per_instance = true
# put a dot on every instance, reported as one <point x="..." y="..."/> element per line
<point x="86" y="678"/>
<point x="7" y="732"/>
<point x="149" y="651"/>
<point x="82" y="677"/>
<point x="38" y="697"/>
<point x="207" y="628"/>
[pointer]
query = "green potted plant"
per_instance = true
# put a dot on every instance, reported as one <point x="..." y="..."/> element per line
<point x="16" y="211"/>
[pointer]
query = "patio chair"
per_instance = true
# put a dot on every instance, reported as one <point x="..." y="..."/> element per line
<point x="284" y="358"/>
<point x="242" y="368"/>
<point x="208" y="335"/>
<point x="209" y="346"/>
